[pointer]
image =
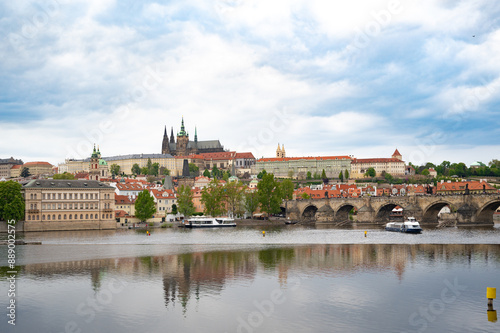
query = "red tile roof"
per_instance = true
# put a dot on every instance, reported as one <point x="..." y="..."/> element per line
<point x="129" y="187"/>
<point x="225" y="155"/>
<point x="376" y="160"/>
<point x="244" y="155"/>
<point x="17" y="166"/>
<point x="123" y="199"/>
<point x="38" y="163"/>
<point x="396" y="152"/>
<point x="163" y="194"/>
<point x="318" y="158"/>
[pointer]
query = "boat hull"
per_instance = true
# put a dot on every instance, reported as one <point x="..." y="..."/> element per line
<point x="190" y="226"/>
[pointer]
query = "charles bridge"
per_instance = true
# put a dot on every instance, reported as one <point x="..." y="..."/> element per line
<point x="472" y="209"/>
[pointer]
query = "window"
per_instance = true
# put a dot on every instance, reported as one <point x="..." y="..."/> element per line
<point x="70" y="216"/>
<point x="29" y="217"/>
<point x="59" y="196"/>
<point x="70" y="206"/>
<point x="86" y="196"/>
<point x="65" y="216"/>
<point x="37" y="217"/>
<point x="70" y="196"/>
<point x="53" y="216"/>
<point x="91" y="216"/>
<point x="48" y="217"/>
<point x="65" y="206"/>
<point x="59" y="217"/>
<point x="81" y="216"/>
<point x="64" y="196"/>
<point x="86" y="216"/>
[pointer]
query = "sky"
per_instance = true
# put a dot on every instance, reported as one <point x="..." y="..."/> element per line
<point x="358" y="78"/>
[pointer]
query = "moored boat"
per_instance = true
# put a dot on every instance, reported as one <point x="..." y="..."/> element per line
<point x="209" y="222"/>
<point x="410" y="226"/>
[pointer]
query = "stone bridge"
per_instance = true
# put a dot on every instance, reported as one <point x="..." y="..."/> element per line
<point x="474" y="209"/>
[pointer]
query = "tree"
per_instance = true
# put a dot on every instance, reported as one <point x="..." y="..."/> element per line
<point x="425" y="172"/>
<point x="370" y="172"/>
<point x="309" y="175"/>
<point x="144" y="171"/>
<point x="136" y="169"/>
<point x="251" y="202"/>
<point x="166" y="172"/>
<point x="305" y="196"/>
<point x="291" y="173"/>
<point x="261" y="174"/>
<point x="233" y="196"/>
<point x="155" y="169"/>
<point x="341" y="177"/>
<point x="389" y="177"/>
<point x="316" y="175"/>
<point x="269" y="194"/>
<point x="286" y="189"/>
<point x="115" y="169"/>
<point x="323" y="174"/>
<point x="25" y="172"/>
<point x="149" y="166"/>
<point x="64" y="175"/>
<point x="194" y="169"/>
<point x="174" y="209"/>
<point x="185" y="201"/>
<point x="215" y="172"/>
<point x="346" y="174"/>
<point x="144" y="206"/>
<point x="212" y="198"/>
<point x="226" y="175"/>
<point x="206" y="173"/>
<point x="11" y="201"/>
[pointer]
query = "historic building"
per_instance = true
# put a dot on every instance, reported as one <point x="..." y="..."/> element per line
<point x="6" y="166"/>
<point x="183" y="146"/>
<point x="394" y="166"/>
<point x="280" y="152"/>
<point x="68" y="205"/>
<point x="98" y="168"/>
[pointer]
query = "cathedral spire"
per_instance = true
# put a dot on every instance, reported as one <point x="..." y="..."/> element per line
<point x="172" y="140"/>
<point x="183" y="131"/>
<point x="195" y="134"/>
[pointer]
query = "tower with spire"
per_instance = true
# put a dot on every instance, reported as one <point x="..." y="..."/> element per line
<point x="182" y="141"/>
<point x="165" y="147"/>
<point x="280" y="152"/>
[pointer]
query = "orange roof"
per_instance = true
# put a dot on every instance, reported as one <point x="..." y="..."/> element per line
<point x="129" y="187"/>
<point x="163" y="194"/>
<point x="460" y="186"/>
<point x="123" y="199"/>
<point x="224" y="155"/>
<point x="318" y="158"/>
<point x="244" y="155"/>
<point x="17" y="166"/>
<point x="38" y="163"/>
<point x="396" y="152"/>
<point x="375" y="160"/>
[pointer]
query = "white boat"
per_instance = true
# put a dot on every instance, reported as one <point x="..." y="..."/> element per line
<point x="209" y="222"/>
<point x="410" y="226"/>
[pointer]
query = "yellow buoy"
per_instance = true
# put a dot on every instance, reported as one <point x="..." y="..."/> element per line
<point x="263" y="234"/>
<point x="491" y="293"/>
<point x="366" y="233"/>
<point x="492" y="316"/>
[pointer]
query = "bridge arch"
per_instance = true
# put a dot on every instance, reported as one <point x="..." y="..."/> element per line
<point x="430" y="214"/>
<point x="309" y="212"/>
<point x="342" y="213"/>
<point x="485" y="213"/>
<point x="384" y="211"/>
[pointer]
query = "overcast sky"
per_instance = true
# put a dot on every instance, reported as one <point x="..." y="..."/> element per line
<point x="332" y="77"/>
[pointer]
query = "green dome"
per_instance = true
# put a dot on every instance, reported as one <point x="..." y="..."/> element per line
<point x="102" y="162"/>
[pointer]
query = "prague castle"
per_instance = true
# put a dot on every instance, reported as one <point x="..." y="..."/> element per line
<point x="184" y="146"/>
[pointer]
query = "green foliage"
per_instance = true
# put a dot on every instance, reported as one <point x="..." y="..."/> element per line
<point x="305" y="196"/>
<point x="155" y="169"/>
<point x="269" y="193"/>
<point x="425" y="172"/>
<point x="166" y="172"/>
<point x="261" y="174"/>
<point x="309" y="175"/>
<point x="291" y="173"/>
<point x="174" y="209"/>
<point x="370" y="172"/>
<point x="115" y="169"/>
<point x="346" y="174"/>
<point x="212" y="198"/>
<point x="388" y="177"/>
<point x="144" y="171"/>
<point x="286" y="189"/>
<point x="144" y="206"/>
<point x="206" y="173"/>
<point x="233" y="197"/>
<point x="194" y="169"/>
<point x="149" y="165"/>
<point x="11" y="201"/>
<point x="185" y="201"/>
<point x="341" y="177"/>
<point x="215" y="172"/>
<point x="323" y="174"/>
<point x="251" y="202"/>
<point x="136" y="169"/>
<point x="64" y="175"/>
<point x="25" y="172"/>
<point x="226" y="175"/>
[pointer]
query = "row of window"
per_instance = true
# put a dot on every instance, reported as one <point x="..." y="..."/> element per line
<point x="64" y="217"/>
<point x="70" y="196"/>
<point x="70" y="206"/>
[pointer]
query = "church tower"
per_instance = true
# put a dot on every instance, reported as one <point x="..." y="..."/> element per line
<point x="182" y="141"/>
<point x="94" y="165"/>
<point x="280" y="152"/>
<point x="165" y="148"/>
<point x="397" y="155"/>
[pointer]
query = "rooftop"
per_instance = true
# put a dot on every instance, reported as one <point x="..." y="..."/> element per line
<point x="65" y="183"/>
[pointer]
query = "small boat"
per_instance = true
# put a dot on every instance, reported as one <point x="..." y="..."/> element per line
<point x="410" y="226"/>
<point x="209" y="222"/>
<point x="288" y="221"/>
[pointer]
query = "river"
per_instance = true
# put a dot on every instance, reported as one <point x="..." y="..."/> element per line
<point x="293" y="279"/>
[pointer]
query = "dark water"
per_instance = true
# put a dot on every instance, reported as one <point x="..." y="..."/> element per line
<point x="292" y="280"/>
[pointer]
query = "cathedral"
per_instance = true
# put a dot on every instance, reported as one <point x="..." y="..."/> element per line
<point x="183" y="146"/>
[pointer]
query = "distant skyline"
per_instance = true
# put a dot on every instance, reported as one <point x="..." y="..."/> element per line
<point x="321" y="77"/>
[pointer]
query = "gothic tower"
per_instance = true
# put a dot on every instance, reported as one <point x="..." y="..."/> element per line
<point x="165" y="148"/>
<point x="182" y="141"/>
<point x="94" y="165"/>
<point x="172" y="139"/>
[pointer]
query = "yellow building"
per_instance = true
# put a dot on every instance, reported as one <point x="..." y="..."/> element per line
<point x="394" y="166"/>
<point x="39" y="168"/>
<point x="68" y="205"/>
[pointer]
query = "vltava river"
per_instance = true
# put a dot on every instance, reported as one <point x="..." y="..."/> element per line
<point x="292" y="280"/>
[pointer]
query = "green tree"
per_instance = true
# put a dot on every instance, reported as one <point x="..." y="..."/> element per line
<point x="388" y="177"/>
<point x="233" y="197"/>
<point x="226" y="175"/>
<point x="194" y="169"/>
<point x="11" y="201"/>
<point x="155" y="169"/>
<point x="291" y="173"/>
<point x="174" y="209"/>
<point x="269" y="194"/>
<point x="185" y="201"/>
<point x="346" y="174"/>
<point x="305" y="196"/>
<point x="64" y="175"/>
<point x="309" y="175"/>
<point x="115" y="169"/>
<point x="251" y="202"/>
<point x="144" y="171"/>
<point x="261" y="174"/>
<point x="144" y="206"/>
<point x="212" y="198"/>
<point x="136" y="169"/>
<point x="341" y="176"/>
<point x="425" y="172"/>
<point x="323" y="174"/>
<point x="370" y="172"/>
<point x="206" y="173"/>
<point x="149" y="166"/>
<point x="166" y="172"/>
<point x="25" y="172"/>
<point x="286" y="189"/>
<point x="215" y="172"/>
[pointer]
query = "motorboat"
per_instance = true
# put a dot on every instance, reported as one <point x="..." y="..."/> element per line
<point x="209" y="222"/>
<point x="410" y="226"/>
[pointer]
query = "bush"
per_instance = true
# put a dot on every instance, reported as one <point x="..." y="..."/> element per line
<point x="167" y="225"/>
<point x="151" y="224"/>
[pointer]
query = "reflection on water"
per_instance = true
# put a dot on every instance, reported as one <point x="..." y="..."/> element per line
<point x="311" y="288"/>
